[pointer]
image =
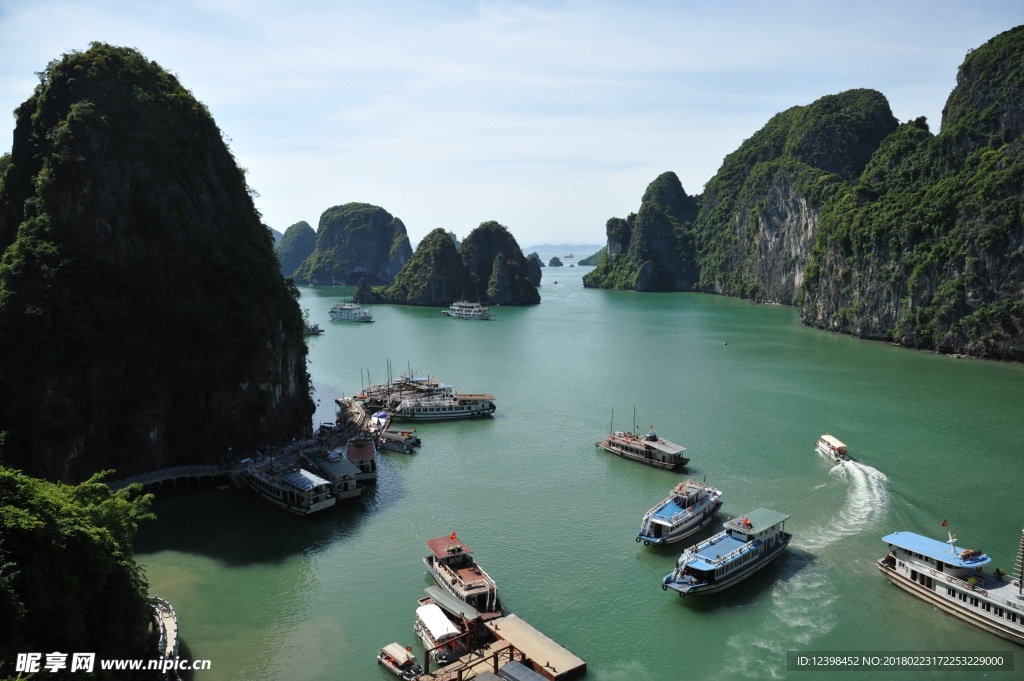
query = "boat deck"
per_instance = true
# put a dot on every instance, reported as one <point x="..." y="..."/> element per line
<point x="667" y="513"/>
<point x="707" y="555"/>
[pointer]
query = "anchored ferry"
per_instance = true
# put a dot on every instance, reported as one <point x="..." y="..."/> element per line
<point x="748" y="544"/>
<point x="649" y="449"/>
<point x="456" y="571"/>
<point x="953" y="579"/>
<point x="690" y="506"/>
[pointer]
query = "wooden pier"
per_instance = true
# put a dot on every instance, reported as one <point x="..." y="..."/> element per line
<point x="189" y="475"/>
<point x="545" y="656"/>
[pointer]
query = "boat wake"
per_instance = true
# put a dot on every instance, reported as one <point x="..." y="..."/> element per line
<point x="802" y="596"/>
<point x="801" y="609"/>
<point x="866" y="501"/>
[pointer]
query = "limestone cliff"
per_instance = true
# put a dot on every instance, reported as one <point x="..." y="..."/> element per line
<point x="143" y="319"/>
<point x="435" y="275"/>
<point x="927" y="248"/>
<point x="651" y="250"/>
<point x="497" y="267"/>
<point x="356" y="241"/>
<point x="297" y="244"/>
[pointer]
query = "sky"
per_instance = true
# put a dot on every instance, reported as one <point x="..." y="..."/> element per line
<point x="548" y="117"/>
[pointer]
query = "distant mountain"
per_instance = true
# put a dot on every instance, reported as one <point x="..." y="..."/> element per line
<point x="564" y="248"/>
<point x="296" y="244"/>
<point x="488" y="266"/>
<point x="356" y="241"/>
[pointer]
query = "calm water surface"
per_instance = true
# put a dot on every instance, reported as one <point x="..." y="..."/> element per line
<point x="745" y="388"/>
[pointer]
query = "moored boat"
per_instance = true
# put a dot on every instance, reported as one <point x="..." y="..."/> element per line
<point x="337" y="470"/>
<point x="649" y="449"/>
<point x="462" y="309"/>
<point x="953" y="579"/>
<point x="361" y="450"/>
<point x="445" y="408"/>
<point x="747" y="544"/>
<point x="350" y="312"/>
<point x="830" y="445"/>
<point x="689" y="507"/>
<point x="441" y="638"/>
<point x="294" y="489"/>
<point x="455" y="570"/>
<point x="400" y="661"/>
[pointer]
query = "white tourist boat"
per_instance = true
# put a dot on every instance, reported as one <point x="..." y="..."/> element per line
<point x="400" y="661"/>
<point x="462" y="309"/>
<point x="443" y="408"/>
<point x="748" y="544"/>
<point x="649" y="449"/>
<point x="350" y="312"/>
<point x="443" y="640"/>
<point x="829" y="445"/>
<point x="294" y="489"/>
<point x="689" y="507"/>
<point x="953" y="579"/>
<point x="337" y="470"/>
<point x="455" y="570"/>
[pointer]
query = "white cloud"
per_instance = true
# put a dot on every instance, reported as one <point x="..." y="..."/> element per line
<point x="549" y="117"/>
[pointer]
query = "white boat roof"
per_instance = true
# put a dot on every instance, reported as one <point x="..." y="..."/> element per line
<point x="758" y="520"/>
<point x="440" y="627"/>
<point x="302" y="479"/>
<point x="833" y="440"/>
<point x="398" y="652"/>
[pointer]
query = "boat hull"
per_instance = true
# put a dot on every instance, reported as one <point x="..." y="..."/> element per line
<point x="467" y="413"/>
<point x="952" y="607"/>
<point x="292" y="508"/>
<point x="700" y="588"/>
<point x="683" y="531"/>
<point x="447" y="585"/>
<point x="665" y="465"/>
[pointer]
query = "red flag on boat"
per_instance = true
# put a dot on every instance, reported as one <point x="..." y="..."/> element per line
<point x="453" y="536"/>
<point x="943" y="523"/>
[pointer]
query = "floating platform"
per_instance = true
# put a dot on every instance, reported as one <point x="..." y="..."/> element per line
<point x="546" y="657"/>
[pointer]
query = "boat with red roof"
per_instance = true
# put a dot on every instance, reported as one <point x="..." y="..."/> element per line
<point x="456" y="571"/>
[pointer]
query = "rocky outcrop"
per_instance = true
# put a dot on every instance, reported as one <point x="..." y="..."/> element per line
<point x="356" y="241"/>
<point x="435" y="275"/>
<point x="652" y="250"/>
<point x="295" y="246"/>
<point x="554" y="261"/>
<point x="497" y="268"/>
<point x="535" y="265"/>
<point x="144" y="321"/>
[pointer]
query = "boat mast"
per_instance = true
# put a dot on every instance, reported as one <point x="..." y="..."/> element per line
<point x="1020" y="565"/>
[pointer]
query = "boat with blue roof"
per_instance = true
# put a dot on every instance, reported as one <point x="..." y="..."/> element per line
<point x="747" y="544"/>
<point x="690" y="507"/>
<point x="954" y="578"/>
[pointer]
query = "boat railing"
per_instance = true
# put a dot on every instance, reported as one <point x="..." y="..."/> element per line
<point x="967" y="586"/>
<point x="484" y="581"/>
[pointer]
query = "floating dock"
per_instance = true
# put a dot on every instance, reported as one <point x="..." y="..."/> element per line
<point x="546" y="657"/>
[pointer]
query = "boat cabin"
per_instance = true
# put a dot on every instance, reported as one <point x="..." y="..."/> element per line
<point x="439" y="635"/>
<point x="945" y="557"/>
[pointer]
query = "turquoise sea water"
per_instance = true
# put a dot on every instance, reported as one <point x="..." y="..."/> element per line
<point x="745" y="388"/>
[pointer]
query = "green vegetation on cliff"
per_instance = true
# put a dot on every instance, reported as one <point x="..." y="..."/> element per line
<point x="651" y="250"/>
<point x="797" y="160"/>
<point x="296" y="245"/>
<point x="435" y="275"/>
<point x="488" y="267"/>
<point x="144" y="320"/>
<point x="68" y="581"/>
<point x="356" y="241"/>
<point x="927" y="248"/>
